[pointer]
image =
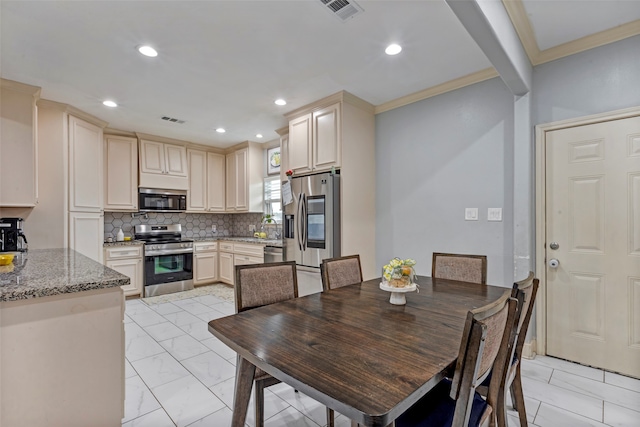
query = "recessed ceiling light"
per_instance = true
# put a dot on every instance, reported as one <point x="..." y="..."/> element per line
<point x="280" y="102"/>
<point x="220" y="130"/>
<point x="109" y="104"/>
<point x="393" y="49"/>
<point x="147" y="51"/>
<point x="258" y="135"/>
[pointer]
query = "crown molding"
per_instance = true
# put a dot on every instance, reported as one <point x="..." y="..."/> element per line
<point x="20" y="87"/>
<point x="69" y="109"/>
<point x="283" y="131"/>
<point x="454" y="84"/>
<point x="342" y="96"/>
<point x="520" y="20"/>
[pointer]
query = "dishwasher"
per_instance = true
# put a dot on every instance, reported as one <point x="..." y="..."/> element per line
<point x="272" y="254"/>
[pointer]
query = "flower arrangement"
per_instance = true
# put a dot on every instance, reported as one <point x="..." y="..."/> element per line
<point x="289" y="172"/>
<point x="399" y="273"/>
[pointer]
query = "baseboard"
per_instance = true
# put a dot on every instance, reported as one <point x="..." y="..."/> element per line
<point x="529" y="349"/>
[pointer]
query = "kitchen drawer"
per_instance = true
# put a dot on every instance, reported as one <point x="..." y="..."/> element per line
<point x="226" y="246"/>
<point x="248" y="249"/>
<point x="123" y="252"/>
<point x="205" y="246"/>
<point x="246" y="259"/>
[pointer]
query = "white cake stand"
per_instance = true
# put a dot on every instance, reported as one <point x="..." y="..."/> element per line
<point x="397" y="294"/>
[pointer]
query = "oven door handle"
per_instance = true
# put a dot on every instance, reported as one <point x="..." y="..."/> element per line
<point x="169" y="252"/>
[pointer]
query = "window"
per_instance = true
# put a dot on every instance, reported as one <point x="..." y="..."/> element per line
<point x="272" y="199"/>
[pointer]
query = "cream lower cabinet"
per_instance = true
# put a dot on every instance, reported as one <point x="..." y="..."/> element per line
<point x="127" y="260"/>
<point x="205" y="262"/>
<point x="226" y="265"/>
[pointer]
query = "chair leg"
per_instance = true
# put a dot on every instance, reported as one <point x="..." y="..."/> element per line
<point x="518" y="398"/>
<point x="330" y="418"/>
<point x="500" y="414"/>
<point x="259" y="402"/>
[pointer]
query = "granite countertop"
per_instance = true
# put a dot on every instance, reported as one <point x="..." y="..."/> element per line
<point x="267" y="242"/>
<point x="129" y="243"/>
<point x="46" y="272"/>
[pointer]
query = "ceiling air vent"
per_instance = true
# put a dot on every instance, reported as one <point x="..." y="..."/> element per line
<point x="343" y="9"/>
<point x="172" y="120"/>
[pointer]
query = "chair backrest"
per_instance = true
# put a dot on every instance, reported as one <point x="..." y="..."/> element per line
<point x="526" y="289"/>
<point x="261" y="284"/>
<point x="484" y="348"/>
<point x="466" y="268"/>
<point x="342" y="271"/>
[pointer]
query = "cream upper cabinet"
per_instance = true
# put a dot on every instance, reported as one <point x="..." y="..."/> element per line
<point x="163" y="165"/>
<point x="18" y="144"/>
<point x="197" y="194"/>
<point x="244" y="173"/>
<point x="314" y="142"/>
<point x="299" y="149"/>
<point x="85" y="166"/>
<point x="215" y="182"/>
<point x="284" y="152"/>
<point x="121" y="178"/>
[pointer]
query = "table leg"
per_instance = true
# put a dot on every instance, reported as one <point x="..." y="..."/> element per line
<point x="245" y="372"/>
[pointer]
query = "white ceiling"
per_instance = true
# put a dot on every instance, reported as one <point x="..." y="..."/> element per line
<point x="223" y="63"/>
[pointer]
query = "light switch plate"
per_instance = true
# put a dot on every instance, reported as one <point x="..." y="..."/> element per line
<point x="471" y="214"/>
<point x="494" y="214"/>
<point x="252" y="227"/>
<point x="214" y="228"/>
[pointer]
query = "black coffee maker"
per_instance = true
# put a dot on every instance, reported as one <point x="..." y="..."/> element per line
<point x="12" y="239"/>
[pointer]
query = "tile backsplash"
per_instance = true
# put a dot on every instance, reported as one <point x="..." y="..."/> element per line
<point x="194" y="225"/>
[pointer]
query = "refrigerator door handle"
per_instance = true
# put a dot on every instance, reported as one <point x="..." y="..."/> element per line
<point x="304" y="222"/>
<point x="299" y="224"/>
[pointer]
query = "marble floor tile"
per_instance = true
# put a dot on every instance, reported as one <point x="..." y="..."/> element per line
<point x="165" y="308"/>
<point x="617" y="416"/>
<point x="199" y="330"/>
<point x="193" y="307"/>
<point x="138" y="399"/>
<point x="273" y="405"/>
<point x="183" y="347"/>
<point x="210" y="315"/>
<point x="224" y="391"/>
<point x="133" y="330"/>
<point x="132" y="309"/>
<point x="618" y="380"/>
<point x="536" y="371"/>
<point x="209" y="368"/>
<point x="127" y="319"/>
<point x="225" y="308"/>
<point x="289" y="417"/>
<point x="208" y="300"/>
<point x="157" y="418"/>
<point x="616" y="395"/>
<point x="147" y="318"/>
<point x="552" y="416"/>
<point x="531" y="407"/>
<point x="186" y="400"/>
<point x="563" y="365"/>
<point x="128" y="369"/>
<point x="181" y="318"/>
<point x="141" y="347"/>
<point x="303" y="403"/>
<point x="217" y="419"/>
<point x="219" y="348"/>
<point x="159" y="369"/>
<point x="164" y="331"/>
<point x="563" y="398"/>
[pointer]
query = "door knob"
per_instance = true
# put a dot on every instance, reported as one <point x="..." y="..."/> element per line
<point x="554" y="263"/>
<point x="554" y="245"/>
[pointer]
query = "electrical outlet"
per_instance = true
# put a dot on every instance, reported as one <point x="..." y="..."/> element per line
<point x="471" y="214"/>
<point x="214" y="228"/>
<point x="252" y="227"/>
<point x="494" y="214"/>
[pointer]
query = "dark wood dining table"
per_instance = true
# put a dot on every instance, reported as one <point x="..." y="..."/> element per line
<point x="350" y="349"/>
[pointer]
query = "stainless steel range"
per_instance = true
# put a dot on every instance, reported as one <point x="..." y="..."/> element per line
<point x="168" y="259"/>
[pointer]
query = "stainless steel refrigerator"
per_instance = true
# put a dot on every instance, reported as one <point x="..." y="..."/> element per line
<point x="312" y="220"/>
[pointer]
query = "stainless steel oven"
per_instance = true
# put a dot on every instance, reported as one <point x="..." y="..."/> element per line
<point x="168" y="259"/>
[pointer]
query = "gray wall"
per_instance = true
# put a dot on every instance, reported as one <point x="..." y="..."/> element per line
<point x="436" y="157"/>
<point x="603" y="79"/>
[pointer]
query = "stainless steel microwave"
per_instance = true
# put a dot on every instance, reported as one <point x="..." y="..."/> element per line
<point x="156" y="200"/>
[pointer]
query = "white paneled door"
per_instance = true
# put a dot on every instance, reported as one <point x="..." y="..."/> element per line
<point x="593" y="231"/>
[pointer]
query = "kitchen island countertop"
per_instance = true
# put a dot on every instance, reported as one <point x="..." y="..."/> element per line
<point x="46" y="272"/>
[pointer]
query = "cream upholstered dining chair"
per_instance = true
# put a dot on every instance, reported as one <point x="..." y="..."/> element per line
<point x="465" y="268"/>
<point x="486" y="336"/>
<point x="341" y="271"/>
<point x="257" y="285"/>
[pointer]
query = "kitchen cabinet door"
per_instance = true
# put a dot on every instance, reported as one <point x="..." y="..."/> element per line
<point x="300" y="140"/>
<point x="226" y="273"/>
<point x="133" y="269"/>
<point x="152" y="157"/>
<point x="205" y="267"/>
<point x="175" y="160"/>
<point x="197" y="195"/>
<point x="216" y="182"/>
<point x="241" y="178"/>
<point x="230" y="162"/>
<point x="85" y="166"/>
<point x="121" y="178"/>
<point x="86" y="234"/>
<point x="326" y="141"/>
